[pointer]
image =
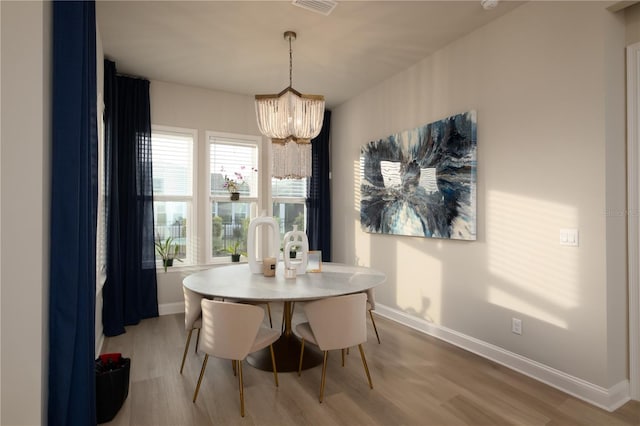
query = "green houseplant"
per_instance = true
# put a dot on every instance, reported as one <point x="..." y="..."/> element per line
<point x="168" y="251"/>
<point x="235" y="250"/>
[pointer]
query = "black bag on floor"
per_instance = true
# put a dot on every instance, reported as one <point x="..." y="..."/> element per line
<point x="112" y="385"/>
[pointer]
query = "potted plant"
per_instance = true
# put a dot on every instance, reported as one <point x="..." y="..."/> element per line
<point x="232" y="187"/>
<point x="168" y="251"/>
<point x="235" y="250"/>
<point x="293" y="251"/>
<point x="233" y="184"/>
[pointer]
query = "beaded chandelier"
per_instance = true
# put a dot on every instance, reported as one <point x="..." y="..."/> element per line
<point x="291" y="120"/>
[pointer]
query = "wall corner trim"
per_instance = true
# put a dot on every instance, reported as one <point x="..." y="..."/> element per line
<point x="607" y="399"/>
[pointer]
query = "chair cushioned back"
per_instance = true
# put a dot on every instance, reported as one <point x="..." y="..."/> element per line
<point x="229" y="329"/>
<point x="192" y="309"/>
<point x="338" y="322"/>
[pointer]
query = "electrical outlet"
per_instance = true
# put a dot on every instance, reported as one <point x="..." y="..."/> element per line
<point x="516" y="325"/>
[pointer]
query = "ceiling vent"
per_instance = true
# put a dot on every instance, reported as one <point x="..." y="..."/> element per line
<point x="323" y="7"/>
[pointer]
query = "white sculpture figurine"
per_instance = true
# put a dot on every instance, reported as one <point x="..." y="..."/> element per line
<point x="255" y="265"/>
<point x="299" y="240"/>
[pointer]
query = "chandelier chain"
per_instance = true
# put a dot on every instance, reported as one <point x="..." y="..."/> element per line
<point x="290" y="64"/>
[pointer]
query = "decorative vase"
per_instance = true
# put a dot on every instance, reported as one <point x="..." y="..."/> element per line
<point x="296" y="241"/>
<point x="235" y="196"/>
<point x="273" y="241"/>
<point x="235" y="258"/>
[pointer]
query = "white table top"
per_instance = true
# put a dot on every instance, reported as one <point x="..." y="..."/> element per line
<point x="237" y="282"/>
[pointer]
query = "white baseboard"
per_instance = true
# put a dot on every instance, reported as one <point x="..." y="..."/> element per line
<point x="171" y="308"/>
<point x="608" y="399"/>
<point x="163" y="309"/>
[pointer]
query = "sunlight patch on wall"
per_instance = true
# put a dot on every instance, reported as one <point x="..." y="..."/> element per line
<point x="505" y="299"/>
<point x="539" y="277"/>
<point x="421" y="291"/>
<point x="358" y="173"/>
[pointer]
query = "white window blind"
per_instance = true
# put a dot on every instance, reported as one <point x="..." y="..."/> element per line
<point x="290" y="188"/>
<point x="234" y="160"/>
<point x="172" y="164"/>
<point x="173" y="193"/>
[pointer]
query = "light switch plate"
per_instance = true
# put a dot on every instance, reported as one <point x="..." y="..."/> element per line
<point x="569" y="237"/>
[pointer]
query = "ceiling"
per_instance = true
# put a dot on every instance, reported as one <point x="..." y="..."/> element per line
<point x="238" y="46"/>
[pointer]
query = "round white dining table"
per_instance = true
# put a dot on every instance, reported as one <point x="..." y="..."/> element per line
<point x="239" y="283"/>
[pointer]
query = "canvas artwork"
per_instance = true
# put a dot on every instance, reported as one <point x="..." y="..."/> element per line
<point x="422" y="182"/>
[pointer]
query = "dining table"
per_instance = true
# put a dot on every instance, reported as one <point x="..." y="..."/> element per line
<point x="237" y="282"/>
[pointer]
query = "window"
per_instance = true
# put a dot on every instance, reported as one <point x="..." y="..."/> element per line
<point x="230" y="161"/>
<point x="233" y="163"/>
<point x="173" y="188"/>
<point x="289" y="206"/>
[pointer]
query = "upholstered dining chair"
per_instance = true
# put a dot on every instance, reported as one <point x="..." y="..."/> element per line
<point x="192" y="319"/>
<point x="232" y="331"/>
<point x="254" y="302"/>
<point x="371" y="306"/>
<point x="335" y="323"/>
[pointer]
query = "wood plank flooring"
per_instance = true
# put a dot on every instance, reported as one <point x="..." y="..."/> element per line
<point x="417" y="379"/>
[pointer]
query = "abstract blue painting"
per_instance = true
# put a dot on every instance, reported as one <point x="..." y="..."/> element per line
<point x="422" y="182"/>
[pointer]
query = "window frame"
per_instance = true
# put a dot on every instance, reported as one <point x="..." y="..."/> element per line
<point x="192" y="215"/>
<point x="255" y="202"/>
<point x="290" y="200"/>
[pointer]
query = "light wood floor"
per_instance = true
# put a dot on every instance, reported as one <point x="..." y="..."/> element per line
<point x="417" y="379"/>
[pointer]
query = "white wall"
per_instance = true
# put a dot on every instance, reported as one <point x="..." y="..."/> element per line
<point x="24" y="219"/>
<point x="547" y="83"/>
<point x="613" y="60"/>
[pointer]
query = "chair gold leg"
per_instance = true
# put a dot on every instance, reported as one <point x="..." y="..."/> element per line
<point x="273" y="364"/>
<point x="186" y="349"/>
<point x="301" y="354"/>
<point x="343" y="357"/>
<point x="269" y="312"/>
<point x="324" y="373"/>
<point x="241" y="385"/>
<point x="374" y="325"/>
<point x="197" y="342"/>
<point x="366" y="369"/>
<point x="204" y="366"/>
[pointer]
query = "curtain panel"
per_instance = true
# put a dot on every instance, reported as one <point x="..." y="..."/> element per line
<point x="319" y="193"/>
<point x="130" y="290"/>
<point x="74" y="185"/>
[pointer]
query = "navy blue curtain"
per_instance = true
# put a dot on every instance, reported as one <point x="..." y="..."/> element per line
<point x="130" y="291"/>
<point x="74" y="186"/>
<point x="319" y="195"/>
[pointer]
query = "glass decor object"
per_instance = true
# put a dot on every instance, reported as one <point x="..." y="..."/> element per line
<point x="291" y="120"/>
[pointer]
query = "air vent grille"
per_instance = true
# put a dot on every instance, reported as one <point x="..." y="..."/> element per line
<point x="324" y="7"/>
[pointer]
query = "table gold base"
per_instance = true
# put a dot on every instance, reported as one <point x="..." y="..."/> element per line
<point x="287" y="353"/>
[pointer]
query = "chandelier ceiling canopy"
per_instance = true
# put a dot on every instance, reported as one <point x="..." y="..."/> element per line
<point x="290" y="119"/>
